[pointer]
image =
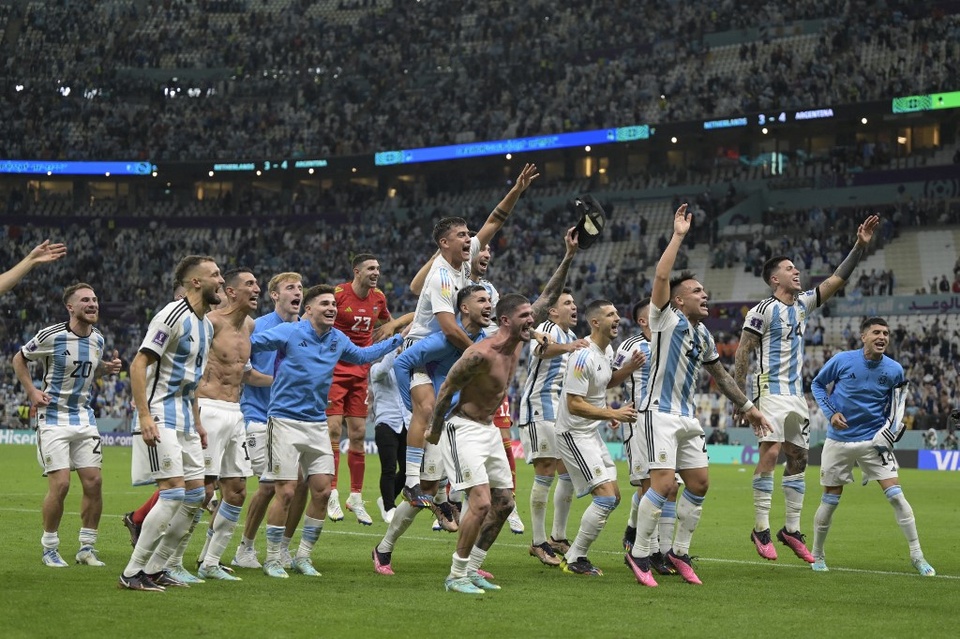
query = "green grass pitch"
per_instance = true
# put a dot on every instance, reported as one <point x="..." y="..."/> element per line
<point x="871" y="588"/>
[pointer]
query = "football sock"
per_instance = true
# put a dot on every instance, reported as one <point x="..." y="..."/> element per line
<point x="904" y="513"/>
<point x="648" y="516"/>
<point x="223" y="526"/>
<point x="475" y="560"/>
<point x="441" y="496"/>
<point x="666" y="526"/>
<point x="593" y="520"/>
<point x="538" y="507"/>
<point x="50" y="540"/>
<point x="414" y="460"/>
<point x="88" y="537"/>
<point x="458" y="568"/>
<point x="174" y="541"/>
<point x="821" y="522"/>
<point x="155" y="522"/>
<point x="634" y="506"/>
<point x="689" y="508"/>
<point x="274" y="539"/>
<point x="562" y="500"/>
<point x="402" y="519"/>
<point x="762" y="498"/>
<point x="308" y="538"/>
<point x="793" y="489"/>
<point x="357" y="461"/>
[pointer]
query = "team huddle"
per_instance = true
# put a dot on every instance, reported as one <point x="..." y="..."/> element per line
<point x="221" y="396"/>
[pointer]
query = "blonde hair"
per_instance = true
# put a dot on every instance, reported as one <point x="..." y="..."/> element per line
<point x="280" y="278"/>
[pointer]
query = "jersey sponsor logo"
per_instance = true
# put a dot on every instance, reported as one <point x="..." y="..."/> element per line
<point x="160" y="338"/>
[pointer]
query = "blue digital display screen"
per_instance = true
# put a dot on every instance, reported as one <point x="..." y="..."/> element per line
<point x="514" y="145"/>
<point x="55" y="167"/>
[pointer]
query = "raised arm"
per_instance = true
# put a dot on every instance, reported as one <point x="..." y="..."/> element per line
<point x="551" y="292"/>
<point x="835" y="282"/>
<point x="416" y="284"/>
<point x="503" y="210"/>
<point x="660" y="296"/>
<point x="41" y="254"/>
<point x="467" y="368"/>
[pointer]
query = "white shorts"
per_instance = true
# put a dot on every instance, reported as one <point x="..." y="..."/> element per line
<point x="257" y="447"/>
<point x="473" y="455"/>
<point x="70" y="447"/>
<point x="294" y="446"/>
<point x="636" y="446"/>
<point x="175" y="455"/>
<point x="789" y="417"/>
<point x="226" y="452"/>
<point x="675" y="442"/>
<point x="539" y="441"/>
<point x="432" y="468"/>
<point x="587" y="459"/>
<point x="838" y="458"/>
<point x="419" y="378"/>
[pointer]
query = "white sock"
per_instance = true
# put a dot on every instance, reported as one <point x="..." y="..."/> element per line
<point x="904" y="514"/>
<point x="666" y="526"/>
<point x="154" y="524"/>
<point x="177" y="532"/>
<point x="648" y="516"/>
<point x="821" y="522"/>
<point x="223" y="526"/>
<point x="562" y="500"/>
<point x="475" y="560"/>
<point x="309" y="536"/>
<point x="762" y="499"/>
<point x="50" y="540"/>
<point x="402" y="518"/>
<point x="793" y="490"/>
<point x="458" y="567"/>
<point x="538" y="508"/>
<point x="593" y="520"/>
<point x="88" y="537"/>
<point x="689" y="509"/>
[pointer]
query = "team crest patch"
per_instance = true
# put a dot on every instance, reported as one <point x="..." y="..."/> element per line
<point x="543" y="446"/>
<point x="662" y="456"/>
<point x="333" y="345"/>
<point x="597" y="471"/>
<point x="208" y="462"/>
<point x="276" y="469"/>
<point x="883" y="380"/>
<point x="48" y="459"/>
<point x="166" y="464"/>
<point x="467" y="475"/>
<point x="160" y="338"/>
<point x="432" y="469"/>
<point x="251" y="442"/>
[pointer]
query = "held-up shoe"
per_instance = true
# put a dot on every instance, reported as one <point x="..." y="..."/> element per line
<point x="381" y="562"/>
<point x="334" y="512"/>
<point x="515" y="523"/>
<point x="355" y="505"/>
<point x="416" y="497"/>
<point x="560" y="546"/>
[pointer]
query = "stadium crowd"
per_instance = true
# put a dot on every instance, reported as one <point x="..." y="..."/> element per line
<point x="97" y="79"/>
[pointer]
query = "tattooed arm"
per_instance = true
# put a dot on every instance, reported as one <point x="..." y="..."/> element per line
<point x="731" y="391"/>
<point x="836" y="281"/>
<point x="498" y="217"/>
<point x="741" y="361"/>
<point x="470" y="366"/>
<point x="551" y="292"/>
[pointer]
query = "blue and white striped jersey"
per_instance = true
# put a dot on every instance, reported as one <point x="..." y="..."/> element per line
<point x="181" y="339"/>
<point x="69" y="363"/>
<point x="541" y="390"/>
<point x="678" y="352"/>
<point x="639" y="383"/>
<point x="780" y="328"/>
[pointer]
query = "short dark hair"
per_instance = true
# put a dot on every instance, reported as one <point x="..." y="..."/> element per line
<point x="639" y="306"/>
<point x="443" y="227"/>
<point x="509" y="303"/>
<point x="594" y="306"/>
<point x="770" y="266"/>
<point x="187" y="264"/>
<point x="680" y="279"/>
<point x="316" y="291"/>
<point x="231" y="277"/>
<point x="360" y="258"/>
<point x="466" y="292"/>
<point x="566" y="290"/>
<point x="872" y="321"/>
<point x="73" y="288"/>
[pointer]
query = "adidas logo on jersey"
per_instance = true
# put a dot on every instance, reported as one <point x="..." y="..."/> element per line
<point x="303" y="343"/>
<point x="189" y="338"/>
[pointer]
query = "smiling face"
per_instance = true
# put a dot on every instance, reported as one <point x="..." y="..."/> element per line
<point x="519" y="322"/>
<point x="84" y="307"/>
<point x="207" y="276"/>
<point x="367" y="274"/>
<point x="606" y="322"/>
<point x="287" y="297"/>
<point x="691" y="299"/>
<point x="476" y="309"/>
<point x="321" y="311"/>
<point x="875" y="338"/>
